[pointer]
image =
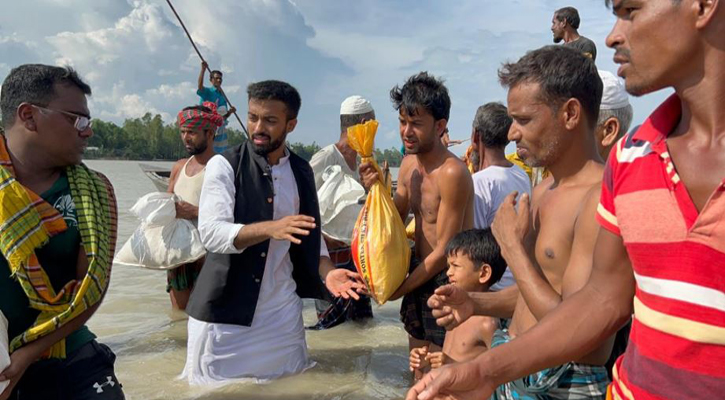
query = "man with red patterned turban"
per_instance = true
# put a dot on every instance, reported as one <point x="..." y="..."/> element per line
<point x="197" y="125"/>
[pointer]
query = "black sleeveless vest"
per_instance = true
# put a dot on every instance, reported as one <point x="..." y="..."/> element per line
<point x="228" y="286"/>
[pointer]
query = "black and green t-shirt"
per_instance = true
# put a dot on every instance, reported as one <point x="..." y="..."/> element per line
<point x="59" y="259"/>
<point x="585" y="45"/>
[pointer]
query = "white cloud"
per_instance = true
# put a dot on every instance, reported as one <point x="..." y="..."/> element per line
<point x="138" y="60"/>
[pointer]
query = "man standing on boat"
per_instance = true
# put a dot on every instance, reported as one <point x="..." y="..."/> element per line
<point x="564" y="27"/>
<point x="197" y="125"/>
<point x="353" y="110"/>
<point x="215" y="94"/>
<point x="259" y="218"/>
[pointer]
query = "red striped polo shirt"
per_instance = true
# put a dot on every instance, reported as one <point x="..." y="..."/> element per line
<point x="677" y="345"/>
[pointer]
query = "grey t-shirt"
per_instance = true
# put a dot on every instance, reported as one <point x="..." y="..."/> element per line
<point x="585" y="45"/>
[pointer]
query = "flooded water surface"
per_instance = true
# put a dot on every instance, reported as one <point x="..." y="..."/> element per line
<point x="354" y="361"/>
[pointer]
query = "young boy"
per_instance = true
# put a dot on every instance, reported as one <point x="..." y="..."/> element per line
<point x="474" y="264"/>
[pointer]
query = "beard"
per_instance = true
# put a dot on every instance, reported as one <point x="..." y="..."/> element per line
<point x="558" y="39"/>
<point x="197" y="149"/>
<point x="271" y="146"/>
<point x="475" y="159"/>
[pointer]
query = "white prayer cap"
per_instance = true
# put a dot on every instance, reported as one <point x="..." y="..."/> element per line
<point x="355" y="105"/>
<point x="614" y="95"/>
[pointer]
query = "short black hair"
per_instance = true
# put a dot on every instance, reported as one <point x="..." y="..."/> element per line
<point x="35" y="84"/>
<point x="492" y="123"/>
<point x="277" y="90"/>
<point x="422" y="90"/>
<point x="216" y="71"/>
<point x="570" y="15"/>
<point x="563" y="73"/>
<point x="481" y="247"/>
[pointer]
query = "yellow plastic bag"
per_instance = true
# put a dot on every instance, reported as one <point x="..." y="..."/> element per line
<point x="379" y="245"/>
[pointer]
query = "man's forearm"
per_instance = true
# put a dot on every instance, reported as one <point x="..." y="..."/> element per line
<point x="499" y="304"/>
<point x="200" y="84"/>
<point x="252" y="234"/>
<point x="425" y="271"/>
<point x="536" y="290"/>
<point x="573" y="330"/>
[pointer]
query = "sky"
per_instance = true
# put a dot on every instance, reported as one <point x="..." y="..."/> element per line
<point x="137" y="60"/>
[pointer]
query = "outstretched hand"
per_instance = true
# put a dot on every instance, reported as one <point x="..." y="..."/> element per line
<point x="459" y="381"/>
<point x="451" y="306"/>
<point x="346" y="284"/>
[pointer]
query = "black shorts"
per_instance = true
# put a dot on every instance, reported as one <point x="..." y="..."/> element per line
<point x="415" y="314"/>
<point x="87" y="373"/>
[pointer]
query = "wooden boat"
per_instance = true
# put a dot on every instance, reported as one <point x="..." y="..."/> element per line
<point x="158" y="175"/>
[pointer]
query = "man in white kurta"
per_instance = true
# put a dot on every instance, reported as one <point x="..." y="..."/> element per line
<point x="274" y="345"/>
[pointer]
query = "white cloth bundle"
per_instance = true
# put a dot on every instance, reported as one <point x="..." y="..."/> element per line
<point x="4" y="355"/>
<point x="339" y="208"/>
<point x="161" y="241"/>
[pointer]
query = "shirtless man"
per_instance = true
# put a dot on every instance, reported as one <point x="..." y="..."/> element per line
<point x="437" y="186"/>
<point x="197" y="125"/>
<point x="554" y="96"/>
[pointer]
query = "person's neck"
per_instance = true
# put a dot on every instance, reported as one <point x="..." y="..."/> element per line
<point x="570" y="36"/>
<point x="274" y="156"/>
<point x="32" y="169"/>
<point x="432" y="159"/>
<point x="347" y="152"/>
<point x="204" y="157"/>
<point x="702" y="96"/>
<point x="581" y="154"/>
<point x="494" y="158"/>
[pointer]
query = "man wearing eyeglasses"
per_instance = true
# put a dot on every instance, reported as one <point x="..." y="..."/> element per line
<point x="57" y="240"/>
<point x="215" y="94"/>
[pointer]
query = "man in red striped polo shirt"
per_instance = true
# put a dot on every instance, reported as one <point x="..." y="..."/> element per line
<point x="661" y="254"/>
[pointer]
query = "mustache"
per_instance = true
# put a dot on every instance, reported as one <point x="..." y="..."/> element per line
<point x="261" y="135"/>
<point x="622" y="53"/>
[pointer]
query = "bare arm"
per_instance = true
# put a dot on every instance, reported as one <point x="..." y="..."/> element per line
<point x="174" y="175"/>
<point x="456" y="188"/>
<point x="591" y="315"/>
<point x="451" y="305"/>
<point x="402" y="196"/>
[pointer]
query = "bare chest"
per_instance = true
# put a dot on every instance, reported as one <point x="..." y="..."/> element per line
<point x="555" y="216"/>
<point x="425" y="196"/>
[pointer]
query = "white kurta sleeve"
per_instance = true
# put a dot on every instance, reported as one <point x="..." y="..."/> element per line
<point x="216" y="208"/>
<point x="323" y="247"/>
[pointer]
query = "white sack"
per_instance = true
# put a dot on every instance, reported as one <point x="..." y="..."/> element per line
<point x="161" y="241"/>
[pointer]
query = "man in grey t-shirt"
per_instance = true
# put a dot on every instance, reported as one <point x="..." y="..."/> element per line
<point x="564" y="26"/>
<point x="497" y="177"/>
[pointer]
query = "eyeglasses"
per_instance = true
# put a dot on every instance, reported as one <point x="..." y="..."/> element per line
<point x="80" y="122"/>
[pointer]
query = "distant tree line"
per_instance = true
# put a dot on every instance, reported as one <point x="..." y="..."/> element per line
<point x="148" y="138"/>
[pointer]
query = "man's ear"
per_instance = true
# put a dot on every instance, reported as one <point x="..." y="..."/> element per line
<point x="485" y="274"/>
<point x="24" y="115"/>
<point x="440" y="126"/>
<point x="291" y="124"/>
<point x="611" y="132"/>
<point x="706" y="12"/>
<point x="571" y="112"/>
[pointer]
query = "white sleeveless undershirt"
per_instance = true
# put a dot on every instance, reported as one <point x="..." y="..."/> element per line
<point x="188" y="188"/>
